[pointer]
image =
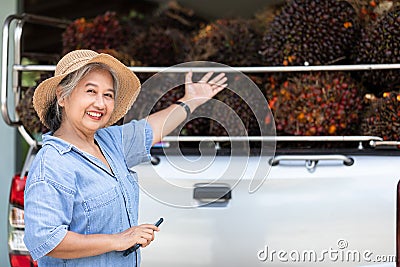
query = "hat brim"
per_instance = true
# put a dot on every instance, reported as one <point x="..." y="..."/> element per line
<point x="129" y="88"/>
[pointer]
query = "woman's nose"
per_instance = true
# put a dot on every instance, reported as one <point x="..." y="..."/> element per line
<point x="99" y="101"/>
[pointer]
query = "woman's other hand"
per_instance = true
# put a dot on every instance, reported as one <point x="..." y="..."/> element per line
<point x="142" y="234"/>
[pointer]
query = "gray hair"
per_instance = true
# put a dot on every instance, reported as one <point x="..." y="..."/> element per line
<point x="53" y="115"/>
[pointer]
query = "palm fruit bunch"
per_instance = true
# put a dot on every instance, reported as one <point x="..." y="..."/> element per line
<point x="234" y="42"/>
<point x="25" y="111"/>
<point x="382" y="117"/>
<point x="158" y="92"/>
<point x="226" y="123"/>
<point x="121" y="56"/>
<point x="236" y="111"/>
<point x="158" y="46"/>
<point x="320" y="103"/>
<point x="379" y="44"/>
<point x="311" y="32"/>
<point x="173" y="15"/>
<point x="102" y="32"/>
<point x="161" y="38"/>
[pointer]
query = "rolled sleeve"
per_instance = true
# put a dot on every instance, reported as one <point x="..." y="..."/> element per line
<point x="48" y="212"/>
<point x="149" y="138"/>
<point x="53" y="241"/>
<point x="137" y="141"/>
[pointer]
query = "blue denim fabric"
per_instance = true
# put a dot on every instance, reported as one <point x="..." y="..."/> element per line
<point x="70" y="190"/>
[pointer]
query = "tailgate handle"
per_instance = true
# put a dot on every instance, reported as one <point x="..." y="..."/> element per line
<point x="216" y="193"/>
<point x="347" y="161"/>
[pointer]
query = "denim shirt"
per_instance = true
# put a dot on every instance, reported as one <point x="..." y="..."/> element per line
<point x="70" y="190"/>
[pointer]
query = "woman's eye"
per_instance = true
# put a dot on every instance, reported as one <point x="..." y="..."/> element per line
<point x="90" y="91"/>
<point x="109" y="95"/>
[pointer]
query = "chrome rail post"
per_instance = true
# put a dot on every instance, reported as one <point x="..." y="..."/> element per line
<point x="4" y="70"/>
<point x="16" y="76"/>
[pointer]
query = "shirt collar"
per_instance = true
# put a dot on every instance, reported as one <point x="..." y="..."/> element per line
<point x="59" y="144"/>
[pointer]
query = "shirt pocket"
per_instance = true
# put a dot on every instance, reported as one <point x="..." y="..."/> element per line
<point x="104" y="213"/>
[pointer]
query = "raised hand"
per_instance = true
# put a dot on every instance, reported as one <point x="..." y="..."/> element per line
<point x="197" y="93"/>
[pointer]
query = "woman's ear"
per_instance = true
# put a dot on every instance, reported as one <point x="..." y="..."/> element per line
<point x="60" y="100"/>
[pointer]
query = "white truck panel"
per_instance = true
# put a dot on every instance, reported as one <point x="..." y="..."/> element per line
<point x="344" y="210"/>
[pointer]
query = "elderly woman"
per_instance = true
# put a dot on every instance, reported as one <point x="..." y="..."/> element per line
<point x="81" y="198"/>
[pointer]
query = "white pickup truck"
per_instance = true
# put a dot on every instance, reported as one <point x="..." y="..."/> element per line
<point x="311" y="206"/>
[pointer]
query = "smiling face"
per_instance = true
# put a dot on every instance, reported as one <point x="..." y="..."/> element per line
<point x="90" y="104"/>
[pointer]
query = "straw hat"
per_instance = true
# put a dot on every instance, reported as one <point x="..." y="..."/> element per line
<point x="129" y="84"/>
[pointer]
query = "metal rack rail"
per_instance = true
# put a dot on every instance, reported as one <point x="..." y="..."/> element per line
<point x="7" y="65"/>
<point x="13" y="65"/>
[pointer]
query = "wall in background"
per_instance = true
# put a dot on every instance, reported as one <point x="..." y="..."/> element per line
<point x="7" y="155"/>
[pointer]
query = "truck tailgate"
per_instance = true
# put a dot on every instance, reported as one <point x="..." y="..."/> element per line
<point x="333" y="215"/>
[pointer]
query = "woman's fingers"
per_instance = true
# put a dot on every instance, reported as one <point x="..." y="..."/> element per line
<point x="206" y="77"/>
<point x="149" y="226"/>
<point x="219" y="83"/>
<point x="188" y="77"/>
<point x="206" y="88"/>
<point x="219" y="88"/>
<point x="219" y="79"/>
<point x="142" y="234"/>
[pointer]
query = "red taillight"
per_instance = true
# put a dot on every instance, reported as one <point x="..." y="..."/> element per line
<point x="22" y="261"/>
<point x="19" y="255"/>
<point x="17" y="191"/>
